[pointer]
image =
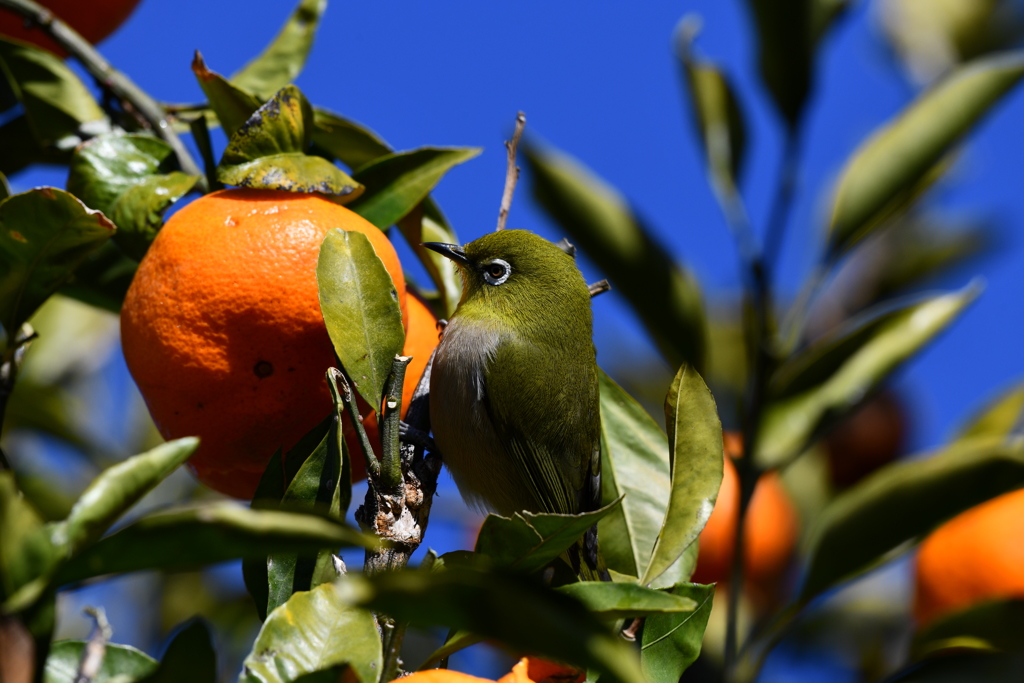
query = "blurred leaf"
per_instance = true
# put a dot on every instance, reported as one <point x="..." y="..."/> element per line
<point x="130" y="178"/>
<point x="190" y="537"/>
<point x="987" y="626"/>
<point x="965" y="668"/>
<point x="901" y="154"/>
<point x="102" y="279"/>
<point x="313" y="631"/>
<point x="509" y="608"/>
<point x="25" y="549"/>
<point x="21" y="149"/>
<point x="45" y="234"/>
<point x="351" y="143"/>
<point x="634" y="464"/>
<point x="121" y="663"/>
<point x="5" y="188"/>
<point x="817" y="387"/>
<point x="359" y="303"/>
<point x="232" y="105"/>
<point x="459" y="640"/>
<point x="397" y="183"/>
<point x="428" y="224"/>
<point x="671" y="642"/>
<point x="625" y="600"/>
<point x="190" y="657"/>
<point x="665" y="297"/>
<point x="902" y="502"/>
<point x="116" y="490"/>
<point x="255" y="572"/>
<point x="56" y="102"/>
<point x="696" y="461"/>
<point x="280" y="63"/>
<point x="269" y="151"/>
<point x="1001" y="417"/>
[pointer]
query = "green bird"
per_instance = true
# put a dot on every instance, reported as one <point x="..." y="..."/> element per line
<point x="514" y="402"/>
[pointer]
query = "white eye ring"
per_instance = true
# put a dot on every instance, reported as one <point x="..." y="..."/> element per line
<point x="497" y="271"/>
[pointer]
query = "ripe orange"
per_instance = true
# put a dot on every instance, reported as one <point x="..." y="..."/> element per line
<point x="771" y="530"/>
<point x="94" y="20"/>
<point x="222" y="328"/>
<point x="976" y="556"/>
<point x="443" y="676"/>
<point x="535" y="670"/>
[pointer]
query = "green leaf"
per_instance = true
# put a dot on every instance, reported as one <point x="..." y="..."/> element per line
<point x="359" y="303"/>
<point x="26" y="552"/>
<point x="116" y="490"/>
<point x="21" y="149"/>
<point x="397" y="183"/>
<point x="664" y="295"/>
<point x="121" y="663"/>
<point x="45" y="234"/>
<point x="313" y="631"/>
<point x="269" y="492"/>
<point x="269" y="151"/>
<point x="190" y="657"/>
<point x="280" y="63"/>
<point x="509" y="608"/>
<point x="697" y="462"/>
<point x="671" y="642"/>
<point x="5" y="187"/>
<point x="351" y="143"/>
<point x="56" y="102"/>
<point x="817" y="387"/>
<point x="102" y="279"/>
<point x="430" y="225"/>
<point x="130" y="178"/>
<point x="1001" y="417"/>
<point x="901" y="154"/>
<point x="986" y="626"/>
<point x="902" y="502"/>
<point x="965" y="667"/>
<point x="186" y="538"/>
<point x="634" y="464"/>
<point x="232" y="105"/>
<point x="625" y="600"/>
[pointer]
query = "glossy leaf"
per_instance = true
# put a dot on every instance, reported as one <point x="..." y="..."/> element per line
<point x="634" y="464"/>
<point x="986" y="626"/>
<point x="186" y="538"/>
<point x="817" y="387"/>
<point x="1000" y="418"/>
<point x="25" y="549"/>
<point x="130" y="178"/>
<point x="121" y="663"/>
<point x="102" y="279"/>
<point x="359" y="303"/>
<point x="45" y="234"/>
<point x="282" y="61"/>
<point x="397" y="183"/>
<point x="903" y="501"/>
<point x="697" y="461"/>
<point x="190" y="657"/>
<point x="313" y="631"/>
<point x="269" y="152"/>
<point x="625" y="600"/>
<point x="347" y="141"/>
<point x="671" y="642"/>
<point x="598" y="221"/>
<point x="901" y="154"/>
<point x="512" y="609"/>
<point x="232" y="105"/>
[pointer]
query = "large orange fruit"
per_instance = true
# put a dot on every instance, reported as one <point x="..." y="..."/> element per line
<point x="976" y="556"/>
<point x="222" y="328"/>
<point x="771" y="531"/>
<point x="93" y="19"/>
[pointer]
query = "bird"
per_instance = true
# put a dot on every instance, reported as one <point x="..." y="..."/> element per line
<point x="514" y="389"/>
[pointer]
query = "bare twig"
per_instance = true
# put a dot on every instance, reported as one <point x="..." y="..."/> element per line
<point x="96" y="649"/>
<point x="346" y="396"/>
<point x="391" y="461"/>
<point x="512" y="172"/>
<point x="599" y="287"/>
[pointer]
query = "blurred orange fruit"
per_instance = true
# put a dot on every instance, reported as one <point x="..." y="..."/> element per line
<point x="872" y="436"/>
<point x="94" y="20"/>
<point x="976" y="556"/>
<point x="534" y="670"/>
<point x="442" y="676"/>
<point x="222" y="329"/>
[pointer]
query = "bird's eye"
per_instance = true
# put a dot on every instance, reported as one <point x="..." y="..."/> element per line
<point x="496" y="272"/>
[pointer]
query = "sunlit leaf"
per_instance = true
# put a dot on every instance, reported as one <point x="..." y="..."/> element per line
<point x="671" y="642"/>
<point x="624" y="600"/>
<point x="359" y="303"/>
<point x="190" y="657"/>
<point x="280" y="63"/>
<point x="347" y="141"/>
<point x="999" y="418"/>
<point x="232" y="105"/>
<point x="988" y="626"/>
<point x="121" y="663"/>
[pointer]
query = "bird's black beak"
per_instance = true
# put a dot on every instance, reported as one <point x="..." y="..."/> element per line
<point x="452" y="251"/>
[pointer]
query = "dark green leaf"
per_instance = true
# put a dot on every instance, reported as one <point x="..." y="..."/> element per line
<point x="103" y="278"/>
<point x="459" y="640"/>
<point x="1000" y="418"/>
<point x="269" y="151"/>
<point x="313" y="631"/>
<point x="598" y="220"/>
<point x="25" y="548"/>
<point x="510" y="608"/>
<point x="190" y="657"/>
<point x="280" y="63"/>
<point x="269" y="492"/>
<point x="671" y="642"/>
<point x="191" y="537"/>
<point x="359" y="303"/>
<point x="903" y="501"/>
<point x="397" y="183"/>
<point x="21" y="149"/>
<point x="697" y="461"/>
<point x="130" y="179"/>
<point x="5" y="188"/>
<point x="347" y="141"/>
<point x="986" y="626"/>
<point x="232" y="105"/>
<point x="121" y="663"/>
<point x="624" y="600"/>
<point x="965" y="668"/>
<point x="45" y="234"/>
<point x="903" y="152"/>
<point x="814" y="389"/>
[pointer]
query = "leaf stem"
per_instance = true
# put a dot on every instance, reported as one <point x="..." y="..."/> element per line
<point x="348" y="398"/>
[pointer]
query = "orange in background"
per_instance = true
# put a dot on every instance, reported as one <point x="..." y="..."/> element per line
<point x="94" y="20"/>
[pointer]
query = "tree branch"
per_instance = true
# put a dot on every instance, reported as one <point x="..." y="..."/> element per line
<point x="511" y="172"/>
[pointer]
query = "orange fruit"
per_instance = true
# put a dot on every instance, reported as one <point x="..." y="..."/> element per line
<point x="535" y="670"/>
<point x="974" y="557"/>
<point x="772" y="527"/>
<point x="94" y="20"/>
<point x="443" y="676"/>
<point x="874" y="435"/>
<point x="222" y="329"/>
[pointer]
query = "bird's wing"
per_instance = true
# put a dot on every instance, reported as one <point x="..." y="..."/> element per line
<point x="545" y="411"/>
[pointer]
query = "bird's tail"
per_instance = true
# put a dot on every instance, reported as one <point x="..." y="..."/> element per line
<point x="585" y="558"/>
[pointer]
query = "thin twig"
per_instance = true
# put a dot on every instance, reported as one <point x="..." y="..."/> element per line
<point x="512" y="171"/>
<point x="345" y="395"/>
<point x="96" y="649"/>
<point x="599" y="287"/>
<point x="391" y="460"/>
